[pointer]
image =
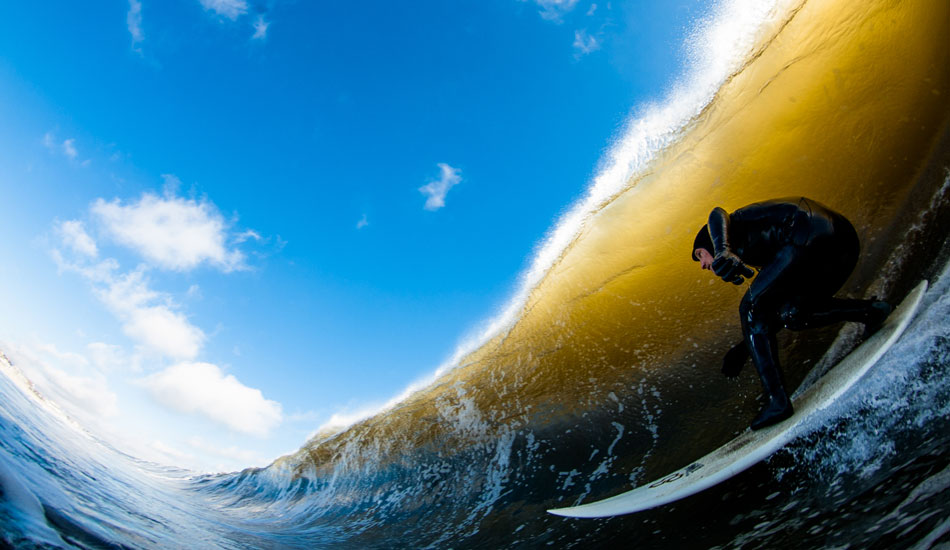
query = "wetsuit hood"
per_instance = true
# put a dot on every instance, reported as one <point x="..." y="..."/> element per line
<point x="702" y="240"/>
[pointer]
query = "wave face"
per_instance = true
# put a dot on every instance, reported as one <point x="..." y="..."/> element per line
<point x="604" y="372"/>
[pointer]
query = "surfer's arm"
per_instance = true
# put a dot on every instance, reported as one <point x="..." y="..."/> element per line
<point x="726" y="264"/>
<point x="719" y="231"/>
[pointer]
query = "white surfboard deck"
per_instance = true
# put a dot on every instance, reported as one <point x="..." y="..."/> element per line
<point x="752" y="446"/>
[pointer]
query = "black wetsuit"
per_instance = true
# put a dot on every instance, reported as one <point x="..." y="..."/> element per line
<point x="804" y="252"/>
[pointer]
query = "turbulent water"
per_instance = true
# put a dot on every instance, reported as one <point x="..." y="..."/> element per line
<point x="603" y="372"/>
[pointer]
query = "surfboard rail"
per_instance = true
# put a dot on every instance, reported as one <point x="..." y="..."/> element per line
<point x="750" y="447"/>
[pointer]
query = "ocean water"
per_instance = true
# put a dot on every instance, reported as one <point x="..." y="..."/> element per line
<point x="873" y="471"/>
<point x="602" y="374"/>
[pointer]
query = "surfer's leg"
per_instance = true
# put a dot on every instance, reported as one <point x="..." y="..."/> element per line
<point x="764" y="350"/>
<point x="760" y="341"/>
<point x="825" y="265"/>
<point x="815" y="313"/>
<point x="759" y="318"/>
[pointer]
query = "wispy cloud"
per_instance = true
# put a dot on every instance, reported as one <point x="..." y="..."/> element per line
<point x="260" y="28"/>
<point x="585" y="43"/>
<point x="87" y="393"/>
<point x="98" y="272"/>
<point x="437" y="189"/>
<point x="362" y="223"/>
<point x="231" y="9"/>
<point x="247" y="235"/>
<point x="75" y="237"/>
<point x="133" y="20"/>
<point x="554" y="10"/>
<point x="203" y="388"/>
<point x="69" y="148"/>
<point x="148" y="317"/>
<point x="170" y="232"/>
<point x="109" y="357"/>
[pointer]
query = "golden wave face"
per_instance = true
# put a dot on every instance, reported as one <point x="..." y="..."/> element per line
<point x="844" y="104"/>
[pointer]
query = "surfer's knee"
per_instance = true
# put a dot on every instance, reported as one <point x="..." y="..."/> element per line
<point x="791" y="317"/>
<point x="754" y="318"/>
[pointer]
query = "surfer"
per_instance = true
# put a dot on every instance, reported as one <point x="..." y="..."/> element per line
<point x="804" y="252"/>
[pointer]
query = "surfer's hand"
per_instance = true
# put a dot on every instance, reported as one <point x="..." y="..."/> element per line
<point x="734" y="360"/>
<point x="730" y="268"/>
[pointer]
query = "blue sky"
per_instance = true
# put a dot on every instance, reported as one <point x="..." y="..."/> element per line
<point x="226" y="221"/>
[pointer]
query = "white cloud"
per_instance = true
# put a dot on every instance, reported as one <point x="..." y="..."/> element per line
<point x="362" y="223"/>
<point x="101" y="272"/>
<point x="436" y="190"/>
<point x="172" y="232"/>
<point x="88" y="394"/>
<point x="160" y="329"/>
<point x="247" y="235"/>
<point x="69" y="148"/>
<point x="107" y="357"/>
<point x="134" y="21"/>
<point x="585" y="43"/>
<point x="260" y="28"/>
<point x="232" y="9"/>
<point x="70" y="358"/>
<point x="128" y="292"/>
<point x="75" y="237"/>
<point x="553" y="10"/>
<point x="169" y="232"/>
<point x="154" y="325"/>
<point x="202" y="388"/>
<point x="148" y="316"/>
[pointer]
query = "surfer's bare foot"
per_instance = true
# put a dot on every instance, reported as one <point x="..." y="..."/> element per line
<point x="778" y="409"/>
<point x="877" y="314"/>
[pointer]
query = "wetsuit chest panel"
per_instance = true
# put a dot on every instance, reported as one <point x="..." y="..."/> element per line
<point x="760" y="230"/>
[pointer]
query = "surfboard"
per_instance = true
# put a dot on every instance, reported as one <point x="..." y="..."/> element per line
<point x="752" y="446"/>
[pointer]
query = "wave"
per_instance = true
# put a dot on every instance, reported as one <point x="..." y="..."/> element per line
<point x="721" y="44"/>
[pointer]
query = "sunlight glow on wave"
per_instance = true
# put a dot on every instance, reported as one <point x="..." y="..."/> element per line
<point x="721" y="44"/>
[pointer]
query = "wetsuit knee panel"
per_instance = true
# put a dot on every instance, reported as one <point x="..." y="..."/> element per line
<point x="790" y="316"/>
<point x="752" y="316"/>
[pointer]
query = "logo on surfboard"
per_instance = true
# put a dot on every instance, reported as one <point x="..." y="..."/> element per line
<point x="677" y="475"/>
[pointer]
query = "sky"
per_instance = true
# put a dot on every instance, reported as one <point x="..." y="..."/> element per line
<point x="227" y="224"/>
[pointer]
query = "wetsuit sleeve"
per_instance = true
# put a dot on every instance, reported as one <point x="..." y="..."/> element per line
<point x="719" y="231"/>
<point x="726" y="264"/>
